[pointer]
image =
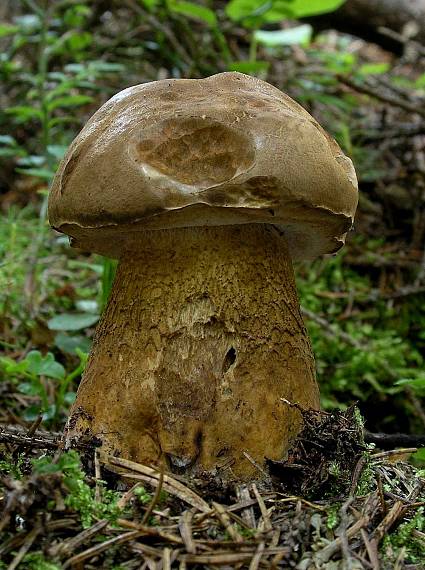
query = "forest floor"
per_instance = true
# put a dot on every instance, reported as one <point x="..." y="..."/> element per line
<point x="336" y="502"/>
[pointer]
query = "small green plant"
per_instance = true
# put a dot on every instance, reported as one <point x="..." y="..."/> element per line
<point x="405" y="537"/>
<point x="12" y="466"/>
<point x="33" y="374"/>
<point x="48" y="97"/>
<point x="420" y="457"/>
<point x="36" y="561"/>
<point x="256" y="14"/>
<point x="142" y="495"/>
<point x="108" y="276"/>
<point x="245" y="532"/>
<point x="334" y="469"/>
<point x="376" y="352"/>
<point x="81" y="497"/>
<point x="366" y="481"/>
<point x="332" y="520"/>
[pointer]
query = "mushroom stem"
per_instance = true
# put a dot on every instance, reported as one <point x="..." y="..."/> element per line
<point x="201" y="338"/>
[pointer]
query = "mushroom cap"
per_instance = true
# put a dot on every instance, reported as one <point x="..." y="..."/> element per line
<point x="228" y="149"/>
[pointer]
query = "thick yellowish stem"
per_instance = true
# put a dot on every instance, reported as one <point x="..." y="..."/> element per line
<point x="201" y="338"/>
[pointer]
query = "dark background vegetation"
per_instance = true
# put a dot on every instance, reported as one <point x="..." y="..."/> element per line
<point x="365" y="309"/>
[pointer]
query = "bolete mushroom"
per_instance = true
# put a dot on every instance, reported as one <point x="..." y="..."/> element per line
<point x="205" y="190"/>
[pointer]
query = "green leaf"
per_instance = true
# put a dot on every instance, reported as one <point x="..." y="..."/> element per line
<point x="249" y="66"/>
<point x="50" y="413"/>
<point x="83" y="356"/>
<point x="238" y="10"/>
<point x="87" y="306"/>
<point x="29" y="389"/>
<point x="75" y="67"/>
<point x="32" y="160"/>
<point x="10" y="366"/>
<point x="300" y="35"/>
<point x="69" y="344"/>
<point x="69" y="101"/>
<point x="415" y="383"/>
<point x="45" y="465"/>
<point x="192" y="10"/>
<point x="57" y="150"/>
<point x="57" y="76"/>
<point x="62" y="121"/>
<point x="9" y="152"/>
<point x="44" y="365"/>
<point x="275" y="11"/>
<point x="69" y="398"/>
<point x="98" y="268"/>
<point x="420" y="454"/>
<point x="24" y="113"/>
<point x="63" y="87"/>
<point x="72" y="322"/>
<point x="420" y="81"/>
<point x="7" y="140"/>
<point x="42" y="173"/>
<point x="304" y="8"/>
<point x="7" y="30"/>
<point x="373" y="68"/>
<point x="28" y="22"/>
<point x="79" y="41"/>
<point x="83" y="70"/>
<point x="70" y="464"/>
<point x="149" y="4"/>
<point x="106" y="67"/>
<point x="108" y="276"/>
<point x="31" y="413"/>
<point x="75" y="16"/>
<point x="339" y="62"/>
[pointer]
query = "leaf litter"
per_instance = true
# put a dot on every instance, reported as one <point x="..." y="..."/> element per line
<point x="333" y="503"/>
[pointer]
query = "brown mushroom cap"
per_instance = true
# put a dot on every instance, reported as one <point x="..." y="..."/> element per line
<point x="229" y="149"/>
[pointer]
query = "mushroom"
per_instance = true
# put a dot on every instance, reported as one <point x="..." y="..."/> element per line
<point x="205" y="190"/>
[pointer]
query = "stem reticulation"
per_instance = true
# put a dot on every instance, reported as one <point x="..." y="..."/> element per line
<point x="201" y="339"/>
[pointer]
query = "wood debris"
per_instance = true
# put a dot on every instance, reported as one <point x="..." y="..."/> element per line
<point x="194" y="524"/>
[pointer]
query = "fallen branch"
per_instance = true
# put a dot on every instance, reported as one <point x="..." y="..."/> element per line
<point x="391" y="440"/>
<point x="211" y="534"/>
<point x="20" y="437"/>
<point x="326" y="553"/>
<point x="136" y="471"/>
<point x="389" y="99"/>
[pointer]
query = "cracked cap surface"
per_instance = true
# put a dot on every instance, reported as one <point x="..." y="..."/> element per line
<point x="228" y="149"/>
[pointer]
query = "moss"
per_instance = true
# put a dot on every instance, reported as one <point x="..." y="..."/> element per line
<point x="366" y="481"/>
<point x="36" y="561"/>
<point x="404" y="537"/>
<point x="142" y="495"/>
<point x="332" y="519"/>
<point x="81" y="497"/>
<point x="12" y="466"/>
